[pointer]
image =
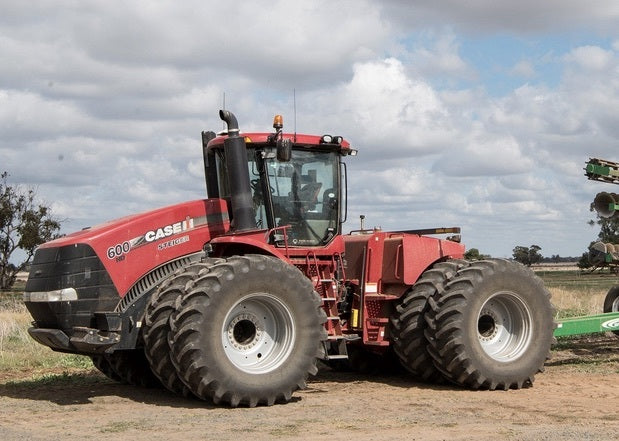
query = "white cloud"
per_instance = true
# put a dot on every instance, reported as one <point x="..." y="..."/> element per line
<point x="442" y="59"/>
<point x="591" y="58"/>
<point x="523" y="68"/>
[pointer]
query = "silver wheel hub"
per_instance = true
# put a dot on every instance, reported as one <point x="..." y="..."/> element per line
<point x="504" y="326"/>
<point x="245" y="331"/>
<point x="258" y="333"/>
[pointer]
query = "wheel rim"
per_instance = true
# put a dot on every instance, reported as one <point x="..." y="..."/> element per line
<point x="615" y="305"/>
<point x="504" y="326"/>
<point x="258" y="333"/>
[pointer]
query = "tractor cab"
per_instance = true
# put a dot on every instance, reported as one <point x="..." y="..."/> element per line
<point x="295" y="183"/>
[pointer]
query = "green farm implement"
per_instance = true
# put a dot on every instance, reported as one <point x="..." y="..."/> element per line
<point x="601" y="254"/>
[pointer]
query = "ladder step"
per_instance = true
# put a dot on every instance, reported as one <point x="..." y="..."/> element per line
<point x="376" y="343"/>
<point x="336" y="357"/>
<point x="335" y="337"/>
<point x="378" y="320"/>
<point x="334" y="317"/>
<point x="380" y="297"/>
<point x="329" y="299"/>
<point x="326" y="280"/>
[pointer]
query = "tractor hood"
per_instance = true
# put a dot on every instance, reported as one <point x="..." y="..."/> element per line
<point x="130" y="247"/>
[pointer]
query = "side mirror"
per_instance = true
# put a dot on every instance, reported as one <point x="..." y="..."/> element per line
<point x="284" y="150"/>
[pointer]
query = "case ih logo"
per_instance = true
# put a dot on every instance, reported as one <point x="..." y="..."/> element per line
<point x="118" y="251"/>
<point x="168" y="230"/>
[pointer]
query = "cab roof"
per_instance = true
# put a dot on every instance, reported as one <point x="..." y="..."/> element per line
<point x="298" y="140"/>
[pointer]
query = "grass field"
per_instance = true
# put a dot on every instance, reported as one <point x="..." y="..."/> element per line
<point x="19" y="352"/>
<point x="573" y="294"/>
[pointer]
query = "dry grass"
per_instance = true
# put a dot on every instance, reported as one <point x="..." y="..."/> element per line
<point x="577" y="294"/>
<point x="14" y="320"/>
<point x="20" y="353"/>
<point x="577" y="302"/>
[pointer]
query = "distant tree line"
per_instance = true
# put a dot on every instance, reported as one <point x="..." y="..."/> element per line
<point x="526" y="255"/>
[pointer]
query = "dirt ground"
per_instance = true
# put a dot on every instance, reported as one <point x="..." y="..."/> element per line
<point x="573" y="400"/>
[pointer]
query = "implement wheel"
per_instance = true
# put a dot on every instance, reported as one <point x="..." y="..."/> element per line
<point x="492" y="326"/>
<point x="611" y="302"/>
<point x="408" y="324"/>
<point x="247" y="332"/>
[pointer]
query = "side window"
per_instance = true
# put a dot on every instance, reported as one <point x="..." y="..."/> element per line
<point x="256" y="187"/>
<point x="220" y="161"/>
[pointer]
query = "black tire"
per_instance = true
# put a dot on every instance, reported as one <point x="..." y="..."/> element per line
<point x="492" y="326"/>
<point x="247" y="332"/>
<point x="102" y="363"/>
<point x="133" y="368"/>
<point x="611" y="302"/>
<point x="157" y="326"/>
<point x="408" y="324"/>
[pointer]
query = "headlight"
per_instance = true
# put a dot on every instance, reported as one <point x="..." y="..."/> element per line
<point x="59" y="295"/>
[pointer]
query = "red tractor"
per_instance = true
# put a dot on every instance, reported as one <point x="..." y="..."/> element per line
<point x="234" y="298"/>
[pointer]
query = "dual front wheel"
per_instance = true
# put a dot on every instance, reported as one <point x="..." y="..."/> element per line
<point x="241" y="331"/>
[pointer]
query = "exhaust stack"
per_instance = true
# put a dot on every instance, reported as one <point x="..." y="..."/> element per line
<point x="243" y="216"/>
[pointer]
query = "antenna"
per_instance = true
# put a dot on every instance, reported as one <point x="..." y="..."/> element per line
<point x="294" y="104"/>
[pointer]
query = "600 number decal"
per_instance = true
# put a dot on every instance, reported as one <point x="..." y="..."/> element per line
<point x="118" y="250"/>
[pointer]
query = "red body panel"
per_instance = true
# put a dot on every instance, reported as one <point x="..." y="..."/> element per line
<point x="383" y="266"/>
<point x="134" y="245"/>
<point x="394" y="257"/>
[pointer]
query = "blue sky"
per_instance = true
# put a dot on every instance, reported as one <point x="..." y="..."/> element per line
<point x="506" y="62"/>
<point x="477" y="114"/>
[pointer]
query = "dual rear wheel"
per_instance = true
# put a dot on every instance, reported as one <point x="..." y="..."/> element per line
<point x="485" y="325"/>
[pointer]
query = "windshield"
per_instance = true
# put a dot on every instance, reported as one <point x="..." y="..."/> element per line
<point x="303" y="193"/>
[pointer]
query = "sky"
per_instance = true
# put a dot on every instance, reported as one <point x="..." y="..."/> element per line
<point x="479" y="114"/>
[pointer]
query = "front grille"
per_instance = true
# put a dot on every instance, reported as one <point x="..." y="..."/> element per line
<point x="73" y="266"/>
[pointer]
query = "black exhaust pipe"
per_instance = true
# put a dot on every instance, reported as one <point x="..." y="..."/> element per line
<point x="243" y="216"/>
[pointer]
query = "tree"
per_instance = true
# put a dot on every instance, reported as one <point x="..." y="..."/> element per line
<point x="609" y="229"/>
<point x="24" y="225"/>
<point x="474" y="254"/>
<point x="527" y="255"/>
<point x="584" y="262"/>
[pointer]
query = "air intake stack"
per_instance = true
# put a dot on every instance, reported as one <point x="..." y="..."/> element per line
<point x="243" y="217"/>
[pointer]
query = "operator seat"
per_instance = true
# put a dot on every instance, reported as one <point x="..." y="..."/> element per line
<point x="308" y="195"/>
